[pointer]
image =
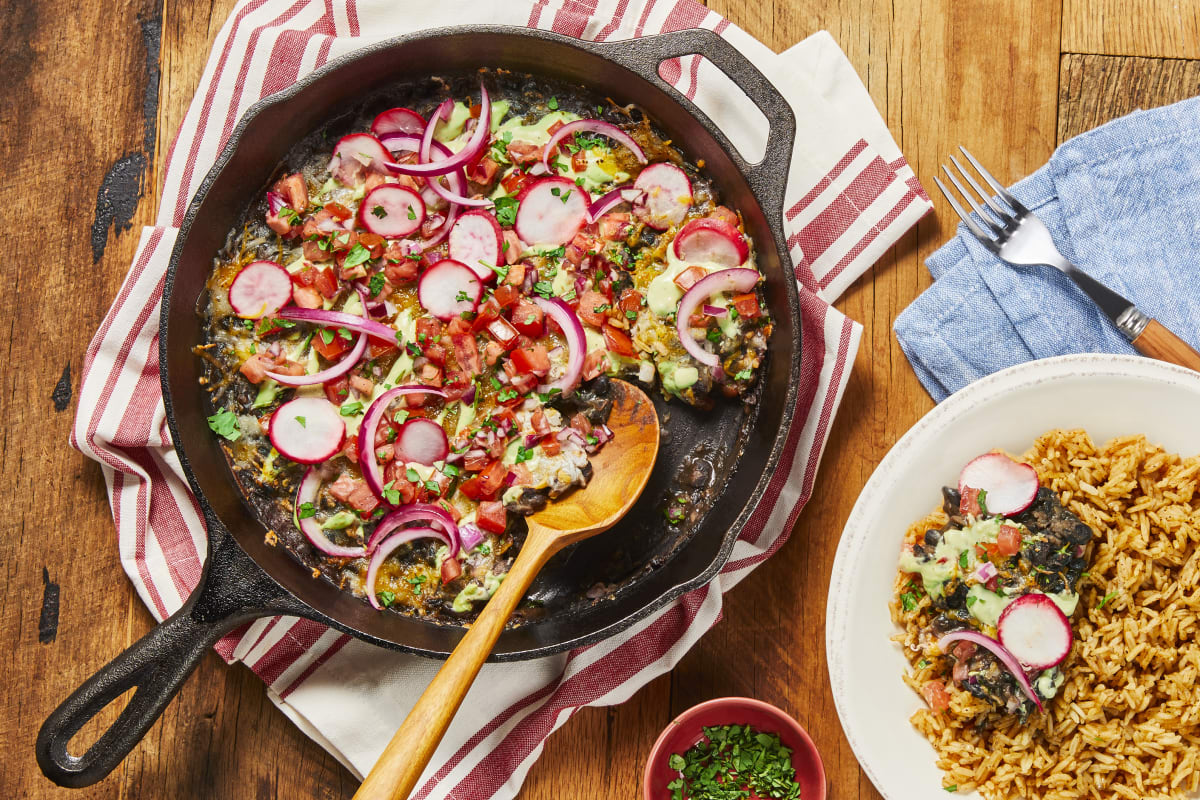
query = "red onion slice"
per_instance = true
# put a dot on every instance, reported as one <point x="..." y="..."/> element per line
<point x="275" y="202"/>
<point x="1001" y="652"/>
<point x="350" y="322"/>
<point x="595" y="126"/>
<point x="425" y="157"/>
<point x="433" y="192"/>
<point x="469" y="535"/>
<point x="387" y="547"/>
<point x="562" y="313"/>
<point x="611" y="200"/>
<point x="310" y="485"/>
<point x="336" y="371"/>
<point x="367" y="462"/>
<point x="714" y="311"/>
<point x="431" y="515"/>
<point x="463" y="157"/>
<point x="727" y="280"/>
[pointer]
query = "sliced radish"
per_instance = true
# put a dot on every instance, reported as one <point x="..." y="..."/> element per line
<point x="307" y="430"/>
<point x="398" y="120"/>
<point x="712" y="241"/>
<point x="1036" y="631"/>
<point x="392" y="211"/>
<point x="477" y="241"/>
<point x="260" y="289"/>
<point x="423" y="441"/>
<point x="1010" y="485"/>
<point x="364" y="148"/>
<point x="449" y="288"/>
<point x="667" y="196"/>
<point x="306" y="493"/>
<point x="551" y="212"/>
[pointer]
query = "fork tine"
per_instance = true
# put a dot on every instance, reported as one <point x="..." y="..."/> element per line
<point x="1003" y="215"/>
<point x="962" y="213"/>
<point x="997" y="187"/>
<point x="992" y="228"/>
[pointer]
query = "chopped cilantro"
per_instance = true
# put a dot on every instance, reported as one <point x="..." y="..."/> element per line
<point x="462" y="297"/>
<point x="451" y="470"/>
<point x="552" y="104"/>
<point x="327" y="336"/>
<point x="345" y="334"/>
<point x="908" y="601"/>
<point x="506" y="210"/>
<point x="432" y="486"/>
<point x="744" y="375"/>
<point x="303" y="422"/>
<point x="225" y="423"/>
<point x="412" y="475"/>
<point x="379" y="211"/>
<point x="357" y="255"/>
<point x="523" y="454"/>
<point x="544" y="288"/>
<point x="1105" y="600"/>
<point x="351" y="409"/>
<point x="390" y="494"/>
<point x="411" y="214"/>
<point x="386" y="598"/>
<point x="734" y="761"/>
<point x="982" y="500"/>
<point x="375" y="285"/>
<point x="962" y="559"/>
<point x="306" y="510"/>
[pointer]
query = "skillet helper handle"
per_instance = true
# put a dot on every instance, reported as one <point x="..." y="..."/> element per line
<point x="232" y="590"/>
<point x="398" y="769"/>
<point x="769" y="176"/>
<point x="1157" y="341"/>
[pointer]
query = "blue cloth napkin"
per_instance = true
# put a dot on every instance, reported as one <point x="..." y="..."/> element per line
<point x="1123" y="203"/>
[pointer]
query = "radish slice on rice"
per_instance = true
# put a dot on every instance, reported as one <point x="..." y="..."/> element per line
<point x="392" y="211"/>
<point x="477" y="241"/>
<point x="551" y="212"/>
<point x="308" y="430"/>
<point x="260" y="289"/>
<point x="389" y="545"/>
<point x="449" y="288"/>
<point x="666" y="198"/>
<point x="423" y="441"/>
<point x="398" y="120"/>
<point x="1036" y="631"/>
<point x="727" y="280"/>
<point x="310" y="485"/>
<point x="711" y="241"/>
<point x="367" y="461"/>
<point x="1010" y="485"/>
<point x="1001" y="652"/>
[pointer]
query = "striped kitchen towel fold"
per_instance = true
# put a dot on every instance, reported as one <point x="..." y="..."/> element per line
<point x="851" y="196"/>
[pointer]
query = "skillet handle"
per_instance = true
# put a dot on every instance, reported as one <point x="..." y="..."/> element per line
<point x="232" y="590"/>
<point x="768" y="178"/>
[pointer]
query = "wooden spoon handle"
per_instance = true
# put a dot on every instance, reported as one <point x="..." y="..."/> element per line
<point x="1157" y="341"/>
<point x="396" y="772"/>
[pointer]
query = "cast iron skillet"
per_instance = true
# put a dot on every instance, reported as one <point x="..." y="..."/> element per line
<point x="244" y="579"/>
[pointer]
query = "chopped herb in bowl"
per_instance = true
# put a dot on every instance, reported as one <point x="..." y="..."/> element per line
<point x="734" y="762"/>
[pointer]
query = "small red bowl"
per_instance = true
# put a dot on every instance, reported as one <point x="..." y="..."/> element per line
<point x="686" y="729"/>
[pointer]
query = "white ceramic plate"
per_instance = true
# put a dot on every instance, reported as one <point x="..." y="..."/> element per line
<point x="1105" y="394"/>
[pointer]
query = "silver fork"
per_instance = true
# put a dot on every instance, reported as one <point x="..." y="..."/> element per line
<point x="1015" y="235"/>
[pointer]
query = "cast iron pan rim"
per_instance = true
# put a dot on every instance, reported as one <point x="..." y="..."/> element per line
<point x="595" y="48"/>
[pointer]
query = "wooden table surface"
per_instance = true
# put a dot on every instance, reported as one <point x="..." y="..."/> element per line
<point x="95" y="94"/>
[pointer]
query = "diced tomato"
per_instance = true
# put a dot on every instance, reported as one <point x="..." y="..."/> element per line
<point x="337" y="390"/>
<point x="451" y="569"/>
<point x="373" y="242"/>
<point x="428" y="331"/>
<point x="594" y="364"/>
<point x="506" y="296"/>
<point x="492" y="517"/>
<point x="516" y="275"/>
<point x="363" y="499"/>
<point x="688" y="278"/>
<point x="466" y="353"/>
<point x="426" y="489"/>
<point x="294" y="190"/>
<point x="514" y="181"/>
<point x="524" y="152"/>
<point x="555" y="127"/>
<point x="436" y="353"/>
<point x="528" y="319"/>
<point x="330" y="344"/>
<point x="593" y="308"/>
<point x="581" y="423"/>
<point x="532" y="360"/>
<point x="254" y="369"/>
<point x="503" y="333"/>
<point x="385" y="453"/>
<point x="614" y="226"/>
<point x="579" y="161"/>
<point x="487" y="311"/>
<point x="430" y="375"/>
<point x="306" y="276"/>
<point x="618" y="341"/>
<point x="326" y="282"/>
<point x="724" y="215"/>
<point x="631" y="300"/>
<point x="1009" y="540"/>
<point x="539" y="423"/>
<point x="457" y="384"/>
<point x="402" y="271"/>
<point x="350" y="448"/>
<point x="362" y="384"/>
<point x="550" y="446"/>
<point x="338" y="211"/>
<point x="747" y="305"/>
<point x="396" y="474"/>
<point x="483" y="171"/>
<point x="492" y="353"/>
<point x="936" y="695"/>
<point x="968" y="503"/>
<point x="376" y="348"/>
<point x="475" y="462"/>
<point x="471" y="488"/>
<point x="521" y="475"/>
<point x="343" y="487"/>
<point x="511" y="247"/>
<point x="504" y="418"/>
<point x="307" y="297"/>
<point x="522" y="385"/>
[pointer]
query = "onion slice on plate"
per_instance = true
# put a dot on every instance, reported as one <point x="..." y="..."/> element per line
<point x="1001" y="652"/>
<point x="463" y="157"/>
<point x="389" y="545"/>
<point x="594" y="126"/>
<point x="310" y="485"/>
<point x="367" y="461"/>
<point x="727" y="280"/>
<point x="572" y="329"/>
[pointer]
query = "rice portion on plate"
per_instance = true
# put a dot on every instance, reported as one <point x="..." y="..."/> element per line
<point x="1126" y="722"/>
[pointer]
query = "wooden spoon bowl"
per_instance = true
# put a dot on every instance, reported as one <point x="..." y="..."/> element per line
<point x="620" y="471"/>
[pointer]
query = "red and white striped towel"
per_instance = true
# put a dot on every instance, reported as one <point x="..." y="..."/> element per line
<point x="851" y="196"/>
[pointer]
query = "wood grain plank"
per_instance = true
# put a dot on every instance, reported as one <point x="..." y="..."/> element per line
<point x="1165" y="28"/>
<point x="1096" y="89"/>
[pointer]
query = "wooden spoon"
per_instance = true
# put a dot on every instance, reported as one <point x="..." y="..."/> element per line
<point x="621" y="470"/>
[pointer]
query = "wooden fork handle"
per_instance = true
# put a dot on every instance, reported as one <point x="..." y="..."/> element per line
<point x="1157" y="341"/>
<point x="396" y="772"/>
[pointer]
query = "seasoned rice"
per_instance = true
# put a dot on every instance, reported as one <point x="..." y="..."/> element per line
<point x="1126" y="723"/>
